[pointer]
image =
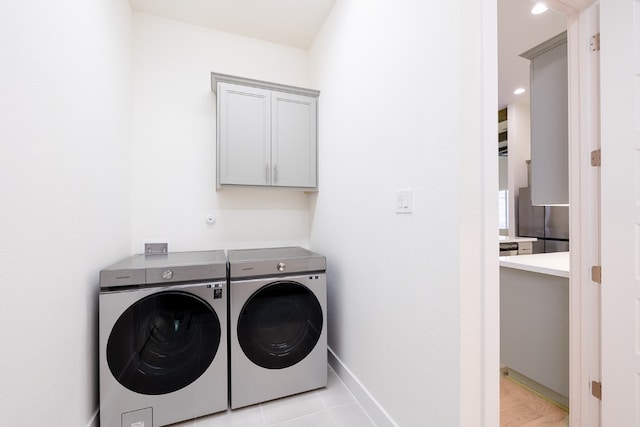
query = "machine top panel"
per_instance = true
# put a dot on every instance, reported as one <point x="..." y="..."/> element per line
<point x="274" y="261"/>
<point x="165" y="268"/>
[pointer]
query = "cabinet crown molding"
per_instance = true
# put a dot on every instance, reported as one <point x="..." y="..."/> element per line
<point x="545" y="46"/>
<point x="226" y="78"/>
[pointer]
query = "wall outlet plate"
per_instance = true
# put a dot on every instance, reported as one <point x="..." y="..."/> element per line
<point x="156" y="248"/>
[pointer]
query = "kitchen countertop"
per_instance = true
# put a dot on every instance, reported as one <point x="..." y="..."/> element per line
<point x="507" y="239"/>
<point x="554" y="264"/>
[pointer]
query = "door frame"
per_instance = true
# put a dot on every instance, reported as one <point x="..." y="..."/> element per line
<point x="584" y="198"/>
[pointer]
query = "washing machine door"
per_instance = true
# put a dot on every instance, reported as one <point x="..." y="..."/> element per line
<point x="163" y="342"/>
<point x="280" y="324"/>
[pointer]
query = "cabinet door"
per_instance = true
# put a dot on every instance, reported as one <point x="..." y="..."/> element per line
<point x="294" y="140"/>
<point x="244" y="135"/>
<point x="549" y="128"/>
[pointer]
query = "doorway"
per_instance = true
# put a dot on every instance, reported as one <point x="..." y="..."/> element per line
<point x="534" y="382"/>
<point x="584" y="193"/>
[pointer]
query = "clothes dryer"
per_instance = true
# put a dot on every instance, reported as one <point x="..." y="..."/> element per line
<point x="278" y="323"/>
<point x="163" y="339"/>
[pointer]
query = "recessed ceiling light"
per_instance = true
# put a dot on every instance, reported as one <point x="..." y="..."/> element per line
<point x="519" y="91"/>
<point x="539" y="8"/>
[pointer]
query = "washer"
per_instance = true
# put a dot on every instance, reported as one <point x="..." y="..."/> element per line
<point x="163" y="339"/>
<point x="278" y="323"/>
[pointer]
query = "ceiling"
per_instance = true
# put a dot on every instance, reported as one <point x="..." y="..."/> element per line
<point x="289" y="22"/>
<point x="296" y="23"/>
<point x="519" y="31"/>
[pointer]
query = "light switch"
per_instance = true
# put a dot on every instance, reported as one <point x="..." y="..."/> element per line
<point x="403" y="200"/>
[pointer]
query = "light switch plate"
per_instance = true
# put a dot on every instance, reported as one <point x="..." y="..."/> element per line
<point x="404" y="200"/>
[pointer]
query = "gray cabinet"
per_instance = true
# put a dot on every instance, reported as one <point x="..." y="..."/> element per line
<point x="549" y="122"/>
<point x="534" y="330"/>
<point x="266" y="134"/>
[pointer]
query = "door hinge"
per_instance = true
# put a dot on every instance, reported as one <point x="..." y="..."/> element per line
<point x="596" y="389"/>
<point x="596" y="273"/>
<point x="596" y="158"/>
<point x="595" y="42"/>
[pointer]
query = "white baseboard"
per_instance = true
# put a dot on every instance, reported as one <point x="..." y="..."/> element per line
<point x="371" y="406"/>
<point x="93" y="422"/>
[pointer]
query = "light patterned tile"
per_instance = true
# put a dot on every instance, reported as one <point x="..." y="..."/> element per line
<point x="289" y="408"/>
<point x="350" y="415"/>
<point x="244" y="417"/>
<point x="333" y="406"/>
<point x="336" y="393"/>
<point x="186" y="423"/>
<point x="318" y="419"/>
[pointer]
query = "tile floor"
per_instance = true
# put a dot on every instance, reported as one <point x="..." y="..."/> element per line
<point x="333" y="406"/>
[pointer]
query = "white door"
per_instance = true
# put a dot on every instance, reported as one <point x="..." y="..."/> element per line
<point x="620" y="211"/>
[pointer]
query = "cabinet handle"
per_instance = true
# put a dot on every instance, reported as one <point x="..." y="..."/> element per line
<point x="266" y="172"/>
<point x="275" y="173"/>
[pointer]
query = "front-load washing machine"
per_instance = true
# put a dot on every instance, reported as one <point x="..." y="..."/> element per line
<point x="163" y="339"/>
<point x="278" y="323"/>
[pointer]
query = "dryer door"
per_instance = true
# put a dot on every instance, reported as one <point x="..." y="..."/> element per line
<point x="163" y="342"/>
<point x="280" y="324"/>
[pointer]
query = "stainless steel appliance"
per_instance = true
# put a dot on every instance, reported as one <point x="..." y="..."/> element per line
<point x="549" y="224"/>
<point x="163" y="338"/>
<point x="508" y="248"/>
<point x="516" y="247"/>
<point x="278" y="323"/>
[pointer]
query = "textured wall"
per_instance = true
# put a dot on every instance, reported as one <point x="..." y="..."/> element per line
<point x="174" y="136"/>
<point x="65" y="103"/>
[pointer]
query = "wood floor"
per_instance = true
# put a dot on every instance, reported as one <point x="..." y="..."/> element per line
<point x="520" y="407"/>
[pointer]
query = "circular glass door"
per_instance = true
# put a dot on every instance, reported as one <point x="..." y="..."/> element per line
<point x="163" y="342"/>
<point x="280" y="324"/>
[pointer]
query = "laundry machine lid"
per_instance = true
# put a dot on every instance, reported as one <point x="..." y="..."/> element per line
<point x="270" y="261"/>
<point x="165" y="268"/>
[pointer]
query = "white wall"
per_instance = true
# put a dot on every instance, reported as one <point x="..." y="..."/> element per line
<point x="174" y="140"/>
<point x="394" y="116"/>
<point x="64" y="196"/>
<point x="519" y="131"/>
<point x="391" y="117"/>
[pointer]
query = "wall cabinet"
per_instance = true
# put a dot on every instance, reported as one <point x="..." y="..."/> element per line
<point x="549" y="122"/>
<point x="266" y="134"/>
